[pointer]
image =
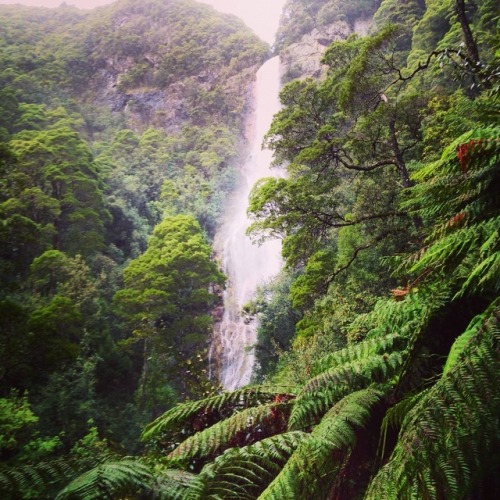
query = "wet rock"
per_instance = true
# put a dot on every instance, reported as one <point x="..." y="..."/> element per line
<point x="303" y="59"/>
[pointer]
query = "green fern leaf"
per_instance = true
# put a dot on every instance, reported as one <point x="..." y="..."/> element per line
<point x="171" y="484"/>
<point x="44" y="476"/>
<point x="309" y="472"/>
<point x="461" y="343"/>
<point x="246" y="472"/>
<point x="242" y="428"/>
<point x="323" y="391"/>
<point x="109" y="480"/>
<point x="448" y="437"/>
<point x="364" y="349"/>
<point x="193" y="416"/>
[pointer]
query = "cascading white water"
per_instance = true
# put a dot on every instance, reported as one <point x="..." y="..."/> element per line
<point x="247" y="265"/>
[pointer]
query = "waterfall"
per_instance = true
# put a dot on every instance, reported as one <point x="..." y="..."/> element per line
<point x="247" y="265"/>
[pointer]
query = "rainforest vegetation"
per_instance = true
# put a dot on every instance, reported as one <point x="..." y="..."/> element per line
<point x="378" y="344"/>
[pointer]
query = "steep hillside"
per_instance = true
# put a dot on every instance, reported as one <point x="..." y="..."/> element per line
<point x="308" y="28"/>
<point x="378" y="344"/>
<point x="173" y="66"/>
<point x="120" y="131"/>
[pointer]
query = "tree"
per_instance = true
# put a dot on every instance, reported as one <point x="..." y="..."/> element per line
<point x="53" y="196"/>
<point x="359" y="120"/>
<point x="167" y="299"/>
<point x="423" y="376"/>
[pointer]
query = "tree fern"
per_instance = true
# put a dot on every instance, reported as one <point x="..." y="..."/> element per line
<point x="241" y="428"/>
<point x="326" y="389"/>
<point x="459" y="192"/>
<point x="406" y="318"/>
<point x="15" y="482"/>
<point x="364" y="349"/>
<point x="312" y="469"/>
<point x="171" y="484"/>
<point x="461" y="344"/>
<point x="110" y="480"/>
<point x="243" y="473"/>
<point x="396" y="414"/>
<point x="194" y="416"/>
<point x="448" y="436"/>
<point x="466" y="173"/>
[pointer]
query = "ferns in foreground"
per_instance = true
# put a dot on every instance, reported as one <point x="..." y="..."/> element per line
<point x="311" y="472"/>
<point x="29" y="479"/>
<point x="246" y="472"/>
<point x="188" y="418"/>
<point x="110" y="480"/>
<point x="419" y="379"/>
<point x="451" y="430"/>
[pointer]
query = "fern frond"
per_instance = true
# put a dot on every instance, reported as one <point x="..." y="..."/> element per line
<point x="243" y="473"/>
<point x="310" y="471"/>
<point x="363" y="349"/>
<point x="405" y="318"/>
<point x="109" y="480"/>
<point x="396" y="414"/>
<point x="462" y="246"/>
<point x="323" y="391"/>
<point x="461" y="343"/>
<point x="44" y="476"/>
<point x="448" y="437"/>
<point x="171" y="484"/>
<point x="459" y="193"/>
<point x="466" y="172"/>
<point x="486" y="270"/>
<point x="193" y="416"/>
<point x="245" y="427"/>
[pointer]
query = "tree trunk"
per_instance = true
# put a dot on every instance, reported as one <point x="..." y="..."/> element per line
<point x="144" y="376"/>
<point x="470" y="43"/>
<point x="401" y="164"/>
<point x="400" y="161"/>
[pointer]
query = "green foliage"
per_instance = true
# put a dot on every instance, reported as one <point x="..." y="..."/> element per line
<point x="464" y="243"/>
<point x="188" y="418"/>
<point x="34" y="481"/>
<point x="53" y="194"/>
<point x="16" y="418"/>
<point x="451" y="427"/>
<point x="276" y="323"/>
<point x="308" y="471"/>
<point x="166" y="301"/>
<point x="243" y="427"/>
<point x="81" y="194"/>
<point x="176" y="264"/>
<point x="108" y="480"/>
<point x="301" y="16"/>
<point x="84" y="179"/>
<point x="403" y="14"/>
<point x="245" y="472"/>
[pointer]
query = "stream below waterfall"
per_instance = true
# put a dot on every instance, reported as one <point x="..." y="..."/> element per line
<point x="247" y="265"/>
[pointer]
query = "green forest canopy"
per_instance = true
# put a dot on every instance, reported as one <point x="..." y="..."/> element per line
<point x="99" y="183"/>
<point x="377" y="352"/>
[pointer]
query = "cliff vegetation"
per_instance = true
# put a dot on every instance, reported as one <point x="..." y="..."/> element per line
<point x="378" y="344"/>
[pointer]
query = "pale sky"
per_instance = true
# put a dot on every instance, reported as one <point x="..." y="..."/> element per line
<point x="261" y="15"/>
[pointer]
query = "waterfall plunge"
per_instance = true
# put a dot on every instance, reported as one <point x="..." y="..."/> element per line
<point x="247" y="265"/>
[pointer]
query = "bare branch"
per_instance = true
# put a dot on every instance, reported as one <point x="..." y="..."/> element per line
<point x="355" y="254"/>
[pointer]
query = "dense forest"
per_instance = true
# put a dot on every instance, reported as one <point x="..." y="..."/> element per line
<point x="120" y="132"/>
<point x="377" y="354"/>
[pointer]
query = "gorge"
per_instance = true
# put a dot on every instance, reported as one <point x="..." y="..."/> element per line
<point x="130" y="169"/>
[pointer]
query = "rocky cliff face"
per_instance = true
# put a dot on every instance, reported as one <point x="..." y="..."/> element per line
<point x="303" y="59"/>
<point x="172" y="107"/>
<point x="165" y="66"/>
